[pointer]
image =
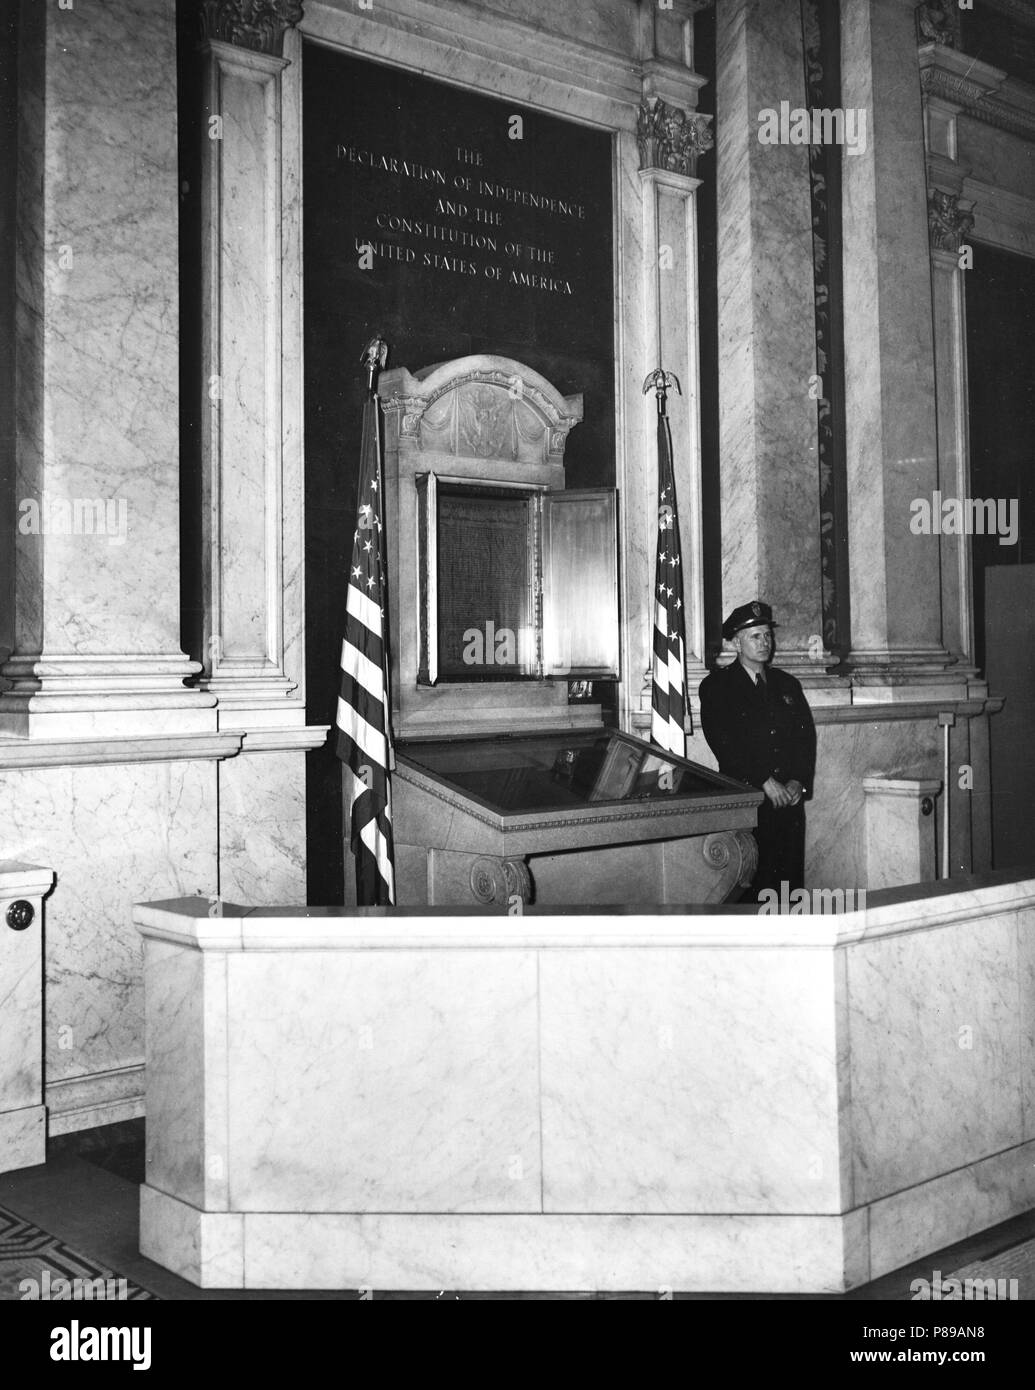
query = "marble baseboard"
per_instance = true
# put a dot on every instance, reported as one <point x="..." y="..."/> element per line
<point x="563" y="1251"/>
<point x="909" y="1224"/>
<point x="494" y="1252"/>
<point x="105" y="1098"/>
<point x="23" y="1138"/>
<point x="206" y="1248"/>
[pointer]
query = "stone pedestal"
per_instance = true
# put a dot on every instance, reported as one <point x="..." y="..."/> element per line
<point x="23" y="1125"/>
<point x="900" y="831"/>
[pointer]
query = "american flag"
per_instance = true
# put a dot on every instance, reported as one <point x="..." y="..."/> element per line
<point x="668" y="685"/>
<point x="364" y="729"/>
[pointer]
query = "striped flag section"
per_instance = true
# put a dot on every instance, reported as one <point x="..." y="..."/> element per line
<point x="364" y="729"/>
<point x="668" y="685"/>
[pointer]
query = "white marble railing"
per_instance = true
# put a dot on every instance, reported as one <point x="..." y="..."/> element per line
<point x="791" y="1104"/>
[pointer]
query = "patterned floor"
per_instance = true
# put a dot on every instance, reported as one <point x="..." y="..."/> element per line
<point x="1014" y="1265"/>
<point x="34" y="1264"/>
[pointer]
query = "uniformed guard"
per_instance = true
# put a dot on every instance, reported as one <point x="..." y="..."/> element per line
<point x="759" y="726"/>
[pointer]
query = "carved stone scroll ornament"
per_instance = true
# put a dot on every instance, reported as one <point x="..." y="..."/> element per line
<point x="496" y="881"/>
<point x="733" y="854"/>
<point x="671" y="139"/>
<point x="256" y="24"/>
<point x="949" y="224"/>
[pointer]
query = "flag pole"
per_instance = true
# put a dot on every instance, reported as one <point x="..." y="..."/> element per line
<point x="667" y="673"/>
<point x="375" y="355"/>
<point x="364" y="741"/>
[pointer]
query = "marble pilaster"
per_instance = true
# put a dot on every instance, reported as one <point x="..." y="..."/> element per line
<point x="892" y="425"/>
<point x="250" y="542"/>
<point x="669" y="141"/>
<point x="671" y="301"/>
<point x="767" y="420"/>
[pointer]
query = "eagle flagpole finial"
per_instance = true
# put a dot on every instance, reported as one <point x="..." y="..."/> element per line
<point x="661" y="381"/>
<point x="375" y="355"/>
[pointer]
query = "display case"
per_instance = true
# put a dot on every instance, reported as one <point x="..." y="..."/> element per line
<point x="566" y="817"/>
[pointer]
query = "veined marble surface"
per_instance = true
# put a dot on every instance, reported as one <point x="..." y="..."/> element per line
<point x="768" y="427"/>
<point x="113" y="834"/>
<point x="364" y="1101"/>
<point x="934" y="1040"/>
<point x="100" y="225"/>
<point x="681" y="1081"/>
<point x="262" y="854"/>
<point x="835" y="818"/>
<point x="22" y="1116"/>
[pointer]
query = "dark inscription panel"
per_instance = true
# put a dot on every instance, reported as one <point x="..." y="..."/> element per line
<point x="451" y="223"/>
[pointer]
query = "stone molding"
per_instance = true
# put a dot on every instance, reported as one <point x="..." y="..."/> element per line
<point x="977" y="90"/>
<point x="671" y="139"/>
<point x="259" y="25"/>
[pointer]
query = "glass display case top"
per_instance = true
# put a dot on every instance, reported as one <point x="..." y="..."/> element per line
<point x="554" y="771"/>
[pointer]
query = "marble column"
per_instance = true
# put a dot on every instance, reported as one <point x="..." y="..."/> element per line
<point x="96" y="623"/>
<point x="767" y="337"/>
<point x="251" y="447"/>
<point x="670" y="141"/>
<point x="892" y="425"/>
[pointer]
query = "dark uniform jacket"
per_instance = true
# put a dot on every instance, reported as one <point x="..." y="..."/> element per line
<point x="756" y="734"/>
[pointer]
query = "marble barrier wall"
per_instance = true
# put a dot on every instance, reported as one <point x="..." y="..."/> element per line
<point x="113" y="834"/>
<point x="741" y="1103"/>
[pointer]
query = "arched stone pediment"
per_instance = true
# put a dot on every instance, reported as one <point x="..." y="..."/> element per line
<point x="480" y="407"/>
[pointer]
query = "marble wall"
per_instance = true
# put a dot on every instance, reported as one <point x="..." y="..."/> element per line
<point x="124" y="833"/>
<point x="262" y="828"/>
<point x="113" y="839"/>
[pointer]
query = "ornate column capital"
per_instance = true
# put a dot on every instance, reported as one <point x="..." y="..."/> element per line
<point x="948" y="222"/>
<point x="671" y="139"/>
<point x="259" y="25"/>
<point x="938" y="21"/>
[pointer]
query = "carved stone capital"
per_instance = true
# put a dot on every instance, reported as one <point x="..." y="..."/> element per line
<point x="256" y="24"/>
<point x="671" y="139"/>
<point x="949" y="223"/>
<point x="938" y="21"/>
